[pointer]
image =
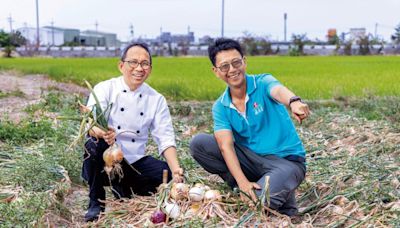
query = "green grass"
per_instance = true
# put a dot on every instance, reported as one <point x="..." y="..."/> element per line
<point x="192" y="79"/>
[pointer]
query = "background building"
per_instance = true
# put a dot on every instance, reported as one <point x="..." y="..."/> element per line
<point x="47" y="37"/>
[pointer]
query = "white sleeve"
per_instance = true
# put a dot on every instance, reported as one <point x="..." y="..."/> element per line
<point x="161" y="127"/>
<point x="101" y="90"/>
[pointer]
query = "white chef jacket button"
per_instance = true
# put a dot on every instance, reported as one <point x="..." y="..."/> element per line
<point x="133" y="140"/>
<point x="140" y="95"/>
<point x="124" y="91"/>
<point x="119" y="127"/>
<point x="138" y="131"/>
<point x="141" y="113"/>
<point x="122" y="109"/>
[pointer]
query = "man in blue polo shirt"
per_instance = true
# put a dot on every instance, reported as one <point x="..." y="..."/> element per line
<point x="254" y="136"/>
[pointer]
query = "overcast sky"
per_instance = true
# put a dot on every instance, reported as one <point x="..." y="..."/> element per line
<point x="258" y="17"/>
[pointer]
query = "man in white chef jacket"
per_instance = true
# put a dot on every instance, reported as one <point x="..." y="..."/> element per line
<point x="136" y="110"/>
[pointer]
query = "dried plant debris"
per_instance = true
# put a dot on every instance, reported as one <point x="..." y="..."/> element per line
<point x="352" y="179"/>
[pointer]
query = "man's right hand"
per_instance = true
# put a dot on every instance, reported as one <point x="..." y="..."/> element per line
<point x="109" y="136"/>
<point x="248" y="187"/>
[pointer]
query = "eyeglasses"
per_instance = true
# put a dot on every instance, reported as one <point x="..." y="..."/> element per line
<point x="236" y="63"/>
<point x="134" y="63"/>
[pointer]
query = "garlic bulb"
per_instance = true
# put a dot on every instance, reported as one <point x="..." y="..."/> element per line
<point x="212" y="195"/>
<point x="196" y="194"/>
<point x="172" y="209"/>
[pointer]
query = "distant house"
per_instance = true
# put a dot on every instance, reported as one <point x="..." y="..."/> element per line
<point x="47" y="37"/>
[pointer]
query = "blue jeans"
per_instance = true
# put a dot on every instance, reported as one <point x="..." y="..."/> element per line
<point x="285" y="176"/>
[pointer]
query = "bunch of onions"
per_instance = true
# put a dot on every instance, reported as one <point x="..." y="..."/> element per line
<point x="112" y="157"/>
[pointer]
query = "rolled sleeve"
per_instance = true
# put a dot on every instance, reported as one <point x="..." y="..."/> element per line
<point x="161" y="128"/>
<point x="221" y="121"/>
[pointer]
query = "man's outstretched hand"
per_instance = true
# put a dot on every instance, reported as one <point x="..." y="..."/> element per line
<point x="300" y="111"/>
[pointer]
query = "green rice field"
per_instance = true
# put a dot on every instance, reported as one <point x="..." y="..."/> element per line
<point x="191" y="78"/>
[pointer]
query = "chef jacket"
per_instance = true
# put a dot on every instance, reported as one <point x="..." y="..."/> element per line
<point x="139" y="112"/>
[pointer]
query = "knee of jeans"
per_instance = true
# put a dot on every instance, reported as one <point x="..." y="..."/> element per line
<point x="197" y="142"/>
<point x="275" y="202"/>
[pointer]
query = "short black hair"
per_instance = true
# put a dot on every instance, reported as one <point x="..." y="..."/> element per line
<point x="223" y="44"/>
<point x="133" y="44"/>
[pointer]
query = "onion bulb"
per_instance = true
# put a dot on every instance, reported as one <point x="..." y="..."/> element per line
<point x="173" y="210"/>
<point x="179" y="191"/>
<point x="113" y="155"/>
<point x="212" y="195"/>
<point x="203" y="186"/>
<point x="193" y="210"/>
<point x="196" y="194"/>
<point x="158" y="217"/>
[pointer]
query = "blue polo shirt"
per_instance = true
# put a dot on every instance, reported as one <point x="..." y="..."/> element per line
<point x="265" y="127"/>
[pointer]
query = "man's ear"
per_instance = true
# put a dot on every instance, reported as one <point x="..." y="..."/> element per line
<point x="215" y="71"/>
<point x="120" y="66"/>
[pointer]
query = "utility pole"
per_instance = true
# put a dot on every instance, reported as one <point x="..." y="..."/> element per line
<point x="222" y="19"/>
<point x="188" y="28"/>
<point x="285" y="26"/>
<point x="376" y="30"/>
<point x="97" y="39"/>
<point x="10" y="20"/>
<point x="37" y="25"/>
<point x="131" y="31"/>
<point x="52" y="32"/>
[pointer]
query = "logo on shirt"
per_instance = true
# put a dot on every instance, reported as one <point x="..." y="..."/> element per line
<point x="257" y="108"/>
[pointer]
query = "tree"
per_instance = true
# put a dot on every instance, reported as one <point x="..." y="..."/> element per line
<point x="396" y="35"/>
<point x="299" y="41"/>
<point x="334" y="40"/>
<point x="11" y="41"/>
<point x="364" y="45"/>
<point x="255" y="45"/>
<point x="249" y="44"/>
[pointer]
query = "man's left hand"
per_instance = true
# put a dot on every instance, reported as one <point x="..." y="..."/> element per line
<point x="300" y="111"/>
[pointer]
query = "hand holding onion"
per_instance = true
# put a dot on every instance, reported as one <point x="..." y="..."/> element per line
<point x="109" y="136"/>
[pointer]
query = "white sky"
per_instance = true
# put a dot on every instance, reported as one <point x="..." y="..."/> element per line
<point x="258" y="17"/>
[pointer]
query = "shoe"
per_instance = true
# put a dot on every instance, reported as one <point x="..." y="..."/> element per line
<point x="296" y="219"/>
<point x="93" y="213"/>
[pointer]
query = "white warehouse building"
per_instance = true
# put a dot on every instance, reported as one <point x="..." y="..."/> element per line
<point x="47" y="36"/>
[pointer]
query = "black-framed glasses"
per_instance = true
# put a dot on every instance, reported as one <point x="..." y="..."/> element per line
<point x="134" y="63"/>
<point x="236" y="63"/>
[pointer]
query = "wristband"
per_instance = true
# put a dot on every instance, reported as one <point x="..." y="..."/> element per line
<point x="293" y="99"/>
